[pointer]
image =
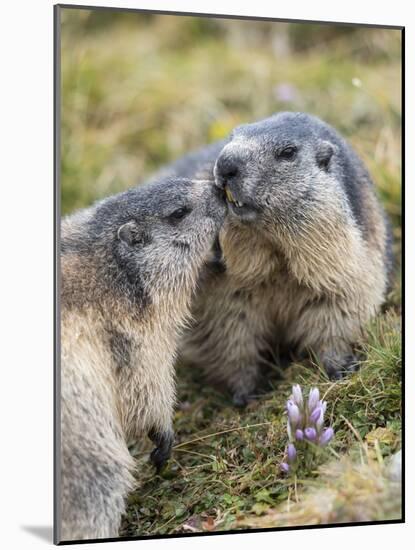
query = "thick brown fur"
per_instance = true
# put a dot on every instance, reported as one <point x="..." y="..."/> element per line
<point x="129" y="268"/>
<point x="272" y="293"/>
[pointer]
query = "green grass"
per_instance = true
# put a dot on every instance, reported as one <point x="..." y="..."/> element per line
<point x="139" y="91"/>
<point x="225" y="465"/>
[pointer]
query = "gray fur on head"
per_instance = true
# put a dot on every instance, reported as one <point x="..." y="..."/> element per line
<point x="150" y="239"/>
<point x="290" y="169"/>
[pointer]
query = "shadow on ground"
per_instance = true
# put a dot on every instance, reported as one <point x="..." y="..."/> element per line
<point x="43" y="532"/>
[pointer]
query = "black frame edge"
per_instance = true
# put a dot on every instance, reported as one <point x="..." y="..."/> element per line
<point x="403" y="277"/>
<point x="56" y="271"/>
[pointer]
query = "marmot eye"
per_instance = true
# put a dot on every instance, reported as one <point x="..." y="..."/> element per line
<point x="288" y="153"/>
<point x="179" y="214"/>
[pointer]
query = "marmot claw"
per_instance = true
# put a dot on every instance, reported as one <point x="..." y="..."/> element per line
<point x="241" y="400"/>
<point x="337" y="366"/>
<point x="164" y="443"/>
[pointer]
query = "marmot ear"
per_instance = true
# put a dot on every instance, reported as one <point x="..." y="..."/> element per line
<point x="325" y="151"/>
<point x="131" y="234"/>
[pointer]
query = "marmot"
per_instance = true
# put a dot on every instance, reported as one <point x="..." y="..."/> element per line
<point x="129" y="266"/>
<point x="306" y="249"/>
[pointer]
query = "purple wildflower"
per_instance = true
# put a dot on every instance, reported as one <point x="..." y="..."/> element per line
<point x="305" y="421"/>
<point x="294" y="414"/>
<point x="299" y="435"/>
<point x="315" y="415"/>
<point x="310" y="434"/>
<point x="298" y="396"/>
<point x="326" y="436"/>
<point x="313" y="399"/>
<point x="291" y="453"/>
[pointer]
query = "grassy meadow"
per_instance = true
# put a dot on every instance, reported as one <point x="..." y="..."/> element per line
<point x="139" y="91"/>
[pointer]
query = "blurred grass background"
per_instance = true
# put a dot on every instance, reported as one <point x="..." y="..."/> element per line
<point x="139" y="90"/>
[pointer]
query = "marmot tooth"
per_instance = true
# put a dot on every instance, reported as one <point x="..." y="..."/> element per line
<point x="229" y="195"/>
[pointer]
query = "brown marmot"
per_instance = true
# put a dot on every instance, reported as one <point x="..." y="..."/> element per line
<point x="306" y="250"/>
<point x="129" y="266"/>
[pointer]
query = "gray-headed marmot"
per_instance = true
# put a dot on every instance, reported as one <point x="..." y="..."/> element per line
<point x="129" y="267"/>
<point x="306" y="250"/>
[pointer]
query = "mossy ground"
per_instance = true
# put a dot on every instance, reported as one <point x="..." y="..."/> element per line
<point x="139" y="91"/>
<point x="225" y="468"/>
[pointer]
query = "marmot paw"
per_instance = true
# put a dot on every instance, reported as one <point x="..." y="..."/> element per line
<point x="339" y="366"/>
<point x="241" y="399"/>
<point x="164" y="443"/>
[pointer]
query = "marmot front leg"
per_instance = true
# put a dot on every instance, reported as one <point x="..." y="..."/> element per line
<point x="229" y="359"/>
<point x="242" y="383"/>
<point x="227" y="338"/>
<point x="338" y="364"/>
<point x="164" y="443"/>
<point x="330" y="332"/>
<point x="151" y="408"/>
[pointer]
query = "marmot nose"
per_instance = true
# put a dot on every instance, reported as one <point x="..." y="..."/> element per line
<point x="227" y="169"/>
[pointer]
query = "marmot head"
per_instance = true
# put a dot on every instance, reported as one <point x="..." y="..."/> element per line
<point x="156" y="237"/>
<point x="280" y="171"/>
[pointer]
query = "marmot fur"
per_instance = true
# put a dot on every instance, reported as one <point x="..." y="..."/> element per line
<point x="306" y="250"/>
<point x="129" y="267"/>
